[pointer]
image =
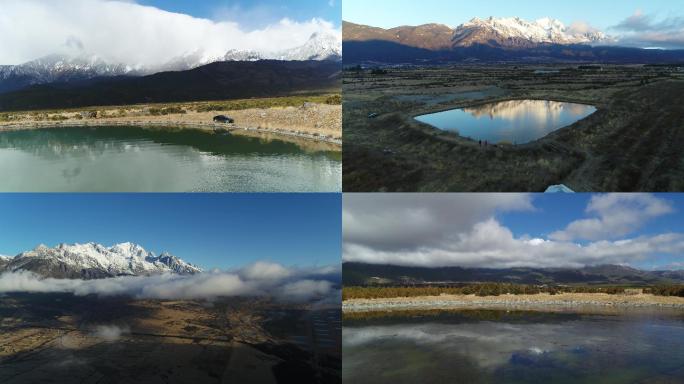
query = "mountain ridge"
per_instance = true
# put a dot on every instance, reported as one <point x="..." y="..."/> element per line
<point x="65" y="68"/>
<point x="215" y="81"/>
<point x="512" y="32"/>
<point x="493" y="40"/>
<point x="93" y="261"/>
<point x="515" y="32"/>
<point x="355" y="273"/>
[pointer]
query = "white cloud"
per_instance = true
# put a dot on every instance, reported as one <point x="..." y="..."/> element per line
<point x="110" y="332"/>
<point x="130" y="33"/>
<point x="617" y="215"/>
<point x="266" y="271"/>
<point x="470" y="241"/>
<point x="488" y="344"/>
<point x="303" y="289"/>
<point x="581" y="27"/>
<point x="491" y="245"/>
<point x="646" y="30"/>
<point x="286" y="284"/>
<point x="405" y="221"/>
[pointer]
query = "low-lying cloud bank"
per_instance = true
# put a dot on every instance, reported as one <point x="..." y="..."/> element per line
<point x="463" y="230"/>
<point x="110" y="332"/>
<point x="259" y="279"/>
<point x="647" y="30"/>
<point x="129" y="33"/>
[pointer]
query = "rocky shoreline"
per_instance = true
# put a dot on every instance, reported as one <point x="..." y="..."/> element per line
<point x="177" y="124"/>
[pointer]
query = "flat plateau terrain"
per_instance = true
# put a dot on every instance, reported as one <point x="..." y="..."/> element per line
<point x="60" y="338"/>
<point x="317" y="118"/>
<point x="632" y="143"/>
<point x="562" y="302"/>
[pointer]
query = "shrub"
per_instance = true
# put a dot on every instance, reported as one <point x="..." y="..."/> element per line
<point x="334" y="100"/>
<point x="667" y="290"/>
<point x="492" y="289"/>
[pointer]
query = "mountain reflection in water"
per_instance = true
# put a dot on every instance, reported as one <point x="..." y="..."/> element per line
<point x="512" y="121"/>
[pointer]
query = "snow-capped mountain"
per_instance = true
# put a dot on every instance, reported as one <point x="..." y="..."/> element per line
<point x="4" y="260"/>
<point x="493" y="40"/>
<point x="62" y="68"/>
<point x="237" y="55"/>
<point x="320" y="46"/>
<point x="518" y="33"/>
<point x="91" y="260"/>
<point x="512" y="32"/>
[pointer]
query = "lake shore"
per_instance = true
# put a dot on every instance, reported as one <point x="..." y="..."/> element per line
<point x="543" y="301"/>
<point x="311" y="122"/>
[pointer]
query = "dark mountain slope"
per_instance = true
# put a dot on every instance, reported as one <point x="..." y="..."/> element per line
<point x="363" y="274"/>
<point x="426" y="36"/>
<point x="222" y="80"/>
<point x="393" y="53"/>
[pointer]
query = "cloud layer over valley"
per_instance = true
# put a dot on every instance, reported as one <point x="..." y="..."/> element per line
<point x="258" y="279"/>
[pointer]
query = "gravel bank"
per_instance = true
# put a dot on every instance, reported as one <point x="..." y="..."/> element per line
<point x="541" y="301"/>
<point x="313" y="122"/>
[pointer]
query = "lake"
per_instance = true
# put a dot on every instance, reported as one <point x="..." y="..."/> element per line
<point x="514" y="347"/>
<point x="512" y="121"/>
<point x="132" y="159"/>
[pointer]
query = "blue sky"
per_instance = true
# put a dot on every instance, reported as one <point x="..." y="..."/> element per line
<point x="553" y="212"/>
<point x="211" y="230"/>
<point x="515" y="230"/>
<point x="599" y="13"/>
<point x="255" y="13"/>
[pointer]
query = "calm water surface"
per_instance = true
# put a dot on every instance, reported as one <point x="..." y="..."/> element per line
<point x="135" y="160"/>
<point x="515" y="347"/>
<point x="512" y="121"/>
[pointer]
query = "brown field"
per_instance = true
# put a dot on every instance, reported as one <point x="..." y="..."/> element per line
<point x="65" y="339"/>
<point x="632" y="143"/>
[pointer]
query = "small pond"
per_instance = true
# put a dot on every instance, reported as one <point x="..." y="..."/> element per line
<point x="512" y="121"/>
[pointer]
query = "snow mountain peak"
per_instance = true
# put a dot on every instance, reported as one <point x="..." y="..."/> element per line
<point x="93" y="260"/>
<point x="515" y="32"/>
<point x="321" y="46"/>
